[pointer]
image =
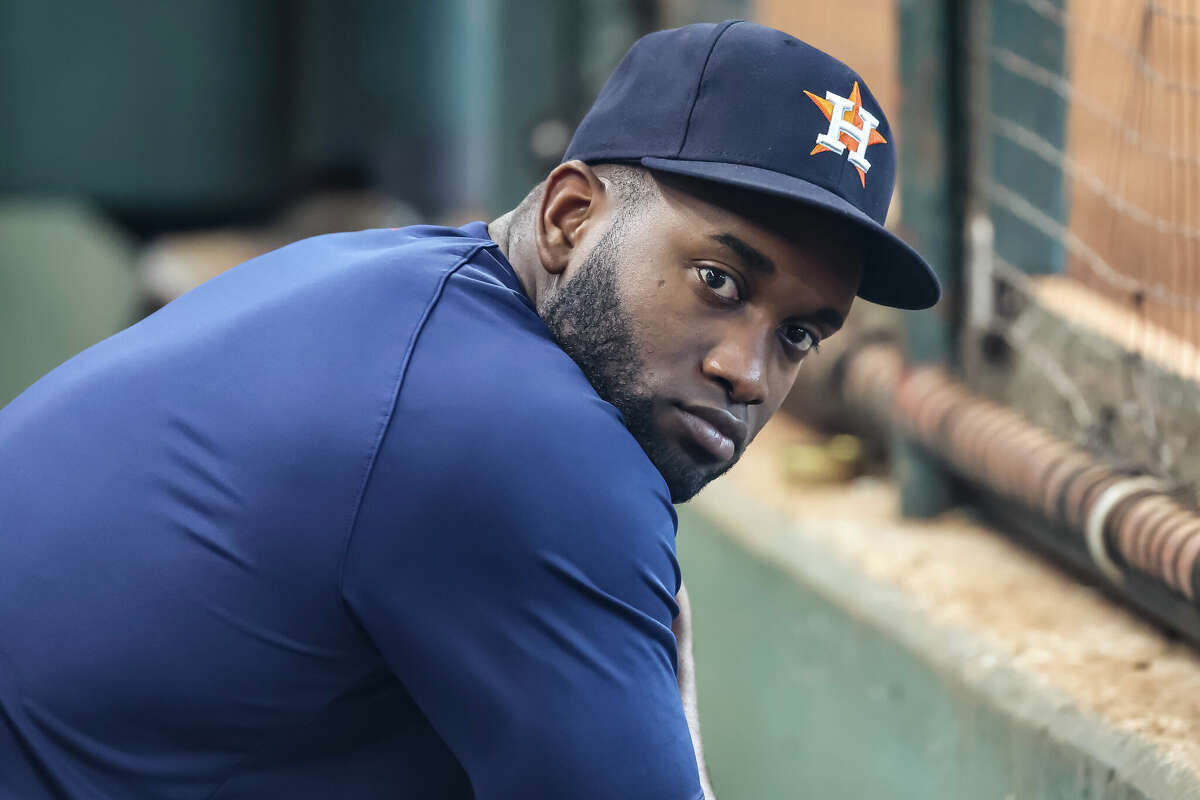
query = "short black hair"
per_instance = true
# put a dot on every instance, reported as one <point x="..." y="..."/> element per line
<point x="634" y="185"/>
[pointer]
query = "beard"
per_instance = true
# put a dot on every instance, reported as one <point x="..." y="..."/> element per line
<point x="589" y="322"/>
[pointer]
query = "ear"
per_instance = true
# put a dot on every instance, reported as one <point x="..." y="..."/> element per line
<point x="573" y="201"/>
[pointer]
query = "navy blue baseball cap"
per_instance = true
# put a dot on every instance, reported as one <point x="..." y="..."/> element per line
<point x="744" y="105"/>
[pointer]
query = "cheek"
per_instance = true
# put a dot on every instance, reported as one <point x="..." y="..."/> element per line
<point x="668" y="318"/>
<point x="776" y="396"/>
<point x="760" y="415"/>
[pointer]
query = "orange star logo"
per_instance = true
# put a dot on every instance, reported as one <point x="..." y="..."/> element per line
<point x="851" y="127"/>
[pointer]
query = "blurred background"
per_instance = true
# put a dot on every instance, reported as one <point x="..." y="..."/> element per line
<point x="1050" y="171"/>
<point x="145" y="147"/>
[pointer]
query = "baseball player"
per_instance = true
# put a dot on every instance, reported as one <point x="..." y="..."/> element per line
<point x="390" y="513"/>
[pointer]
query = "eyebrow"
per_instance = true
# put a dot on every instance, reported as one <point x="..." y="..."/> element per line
<point x="755" y="260"/>
<point x="752" y="258"/>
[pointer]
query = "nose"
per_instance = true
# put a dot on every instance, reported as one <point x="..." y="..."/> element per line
<point x="737" y="364"/>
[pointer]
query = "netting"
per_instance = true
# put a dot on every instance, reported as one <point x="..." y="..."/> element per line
<point x="1088" y="121"/>
<point x="1067" y="407"/>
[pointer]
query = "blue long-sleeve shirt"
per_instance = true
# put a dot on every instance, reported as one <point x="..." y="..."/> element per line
<point x="341" y="522"/>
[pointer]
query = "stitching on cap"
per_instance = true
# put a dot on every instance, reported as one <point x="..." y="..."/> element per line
<point x="688" y="127"/>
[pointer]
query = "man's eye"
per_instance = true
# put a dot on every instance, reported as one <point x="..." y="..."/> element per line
<point x="800" y="337"/>
<point x="720" y="283"/>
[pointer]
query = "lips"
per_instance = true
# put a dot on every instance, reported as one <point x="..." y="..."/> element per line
<point x="717" y="432"/>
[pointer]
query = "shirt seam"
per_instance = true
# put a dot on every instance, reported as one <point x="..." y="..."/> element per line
<point x="386" y="419"/>
<point x="503" y="261"/>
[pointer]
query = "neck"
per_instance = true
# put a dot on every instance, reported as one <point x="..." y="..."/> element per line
<point x="512" y="233"/>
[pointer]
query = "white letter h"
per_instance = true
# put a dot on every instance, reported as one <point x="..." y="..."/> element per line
<point x="838" y="124"/>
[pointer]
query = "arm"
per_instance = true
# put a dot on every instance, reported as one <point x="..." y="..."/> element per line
<point x="524" y="593"/>
<point x="682" y="628"/>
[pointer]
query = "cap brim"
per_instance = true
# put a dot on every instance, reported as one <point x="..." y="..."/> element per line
<point x="894" y="274"/>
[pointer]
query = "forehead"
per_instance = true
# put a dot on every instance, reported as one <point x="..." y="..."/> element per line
<point x="699" y="200"/>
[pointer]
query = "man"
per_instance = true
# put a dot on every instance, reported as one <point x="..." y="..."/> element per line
<point x="389" y="513"/>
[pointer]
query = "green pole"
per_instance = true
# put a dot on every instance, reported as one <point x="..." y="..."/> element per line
<point x="1022" y="54"/>
<point x="932" y="145"/>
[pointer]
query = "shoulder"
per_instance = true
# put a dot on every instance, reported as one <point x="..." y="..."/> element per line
<point x="291" y="358"/>
<point x="394" y="242"/>
<point x="336" y="273"/>
<point x="516" y="460"/>
<point x="487" y="376"/>
<point x="522" y="424"/>
<point x="391" y="255"/>
<point x="498" y="432"/>
<point x="531" y="497"/>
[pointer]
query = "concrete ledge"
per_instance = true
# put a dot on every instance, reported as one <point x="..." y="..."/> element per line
<point x="843" y="652"/>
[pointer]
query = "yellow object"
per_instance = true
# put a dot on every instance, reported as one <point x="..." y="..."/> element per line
<point x="832" y="461"/>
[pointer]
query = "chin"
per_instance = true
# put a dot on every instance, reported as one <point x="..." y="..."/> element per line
<point x="687" y="488"/>
<point x="684" y="474"/>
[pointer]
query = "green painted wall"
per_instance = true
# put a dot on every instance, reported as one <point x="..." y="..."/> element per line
<point x="801" y="699"/>
<point x="143" y="105"/>
<point x="47" y="315"/>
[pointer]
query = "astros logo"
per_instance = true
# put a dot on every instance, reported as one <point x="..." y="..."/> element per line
<point x="850" y="126"/>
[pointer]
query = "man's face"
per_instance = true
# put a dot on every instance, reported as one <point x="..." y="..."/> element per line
<point x="693" y="320"/>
